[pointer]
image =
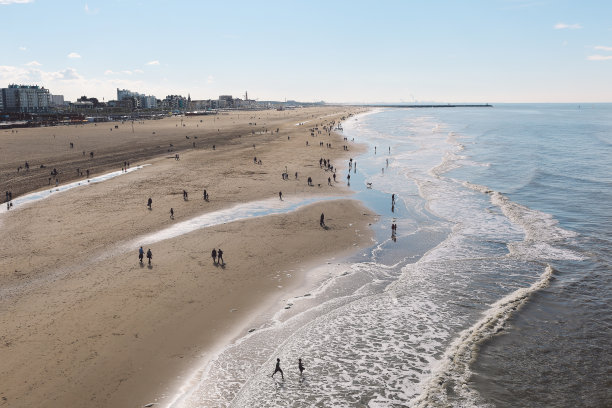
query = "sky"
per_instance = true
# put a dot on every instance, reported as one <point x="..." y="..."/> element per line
<point x="335" y="51"/>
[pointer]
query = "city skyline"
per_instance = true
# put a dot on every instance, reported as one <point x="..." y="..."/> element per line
<point x="478" y="51"/>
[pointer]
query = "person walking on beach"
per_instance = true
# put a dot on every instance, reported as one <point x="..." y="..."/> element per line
<point x="214" y="256"/>
<point x="280" y="195"/>
<point x="149" y="255"/>
<point x="149" y="203"/>
<point x="322" y="220"/>
<point x="171" y="213"/>
<point x="278" y="369"/>
<point x="300" y="366"/>
<point x="220" y="257"/>
<point x="140" y="254"/>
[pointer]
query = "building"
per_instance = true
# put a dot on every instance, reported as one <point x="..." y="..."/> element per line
<point x="139" y="100"/>
<point x="175" y="103"/>
<point x="25" y="98"/>
<point x="149" y="102"/>
<point x="226" y="101"/>
<point x="124" y="94"/>
<point x="201" y="104"/>
<point x="56" y="100"/>
<point x="126" y="104"/>
<point x="82" y="105"/>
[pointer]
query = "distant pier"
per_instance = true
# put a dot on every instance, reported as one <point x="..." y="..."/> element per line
<point x="485" y="105"/>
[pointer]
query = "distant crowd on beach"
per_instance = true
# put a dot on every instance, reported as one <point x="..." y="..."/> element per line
<point x="324" y="163"/>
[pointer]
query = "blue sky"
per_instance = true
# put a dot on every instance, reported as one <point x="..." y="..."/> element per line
<point x="337" y="51"/>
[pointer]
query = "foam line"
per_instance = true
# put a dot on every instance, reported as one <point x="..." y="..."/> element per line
<point x="453" y="370"/>
<point x="40" y="195"/>
<point x="238" y="212"/>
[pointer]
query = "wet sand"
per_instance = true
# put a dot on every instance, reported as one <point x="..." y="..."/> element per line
<point x="83" y="324"/>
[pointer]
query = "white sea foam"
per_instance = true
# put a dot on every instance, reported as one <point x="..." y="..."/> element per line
<point x="236" y="213"/>
<point x="42" y="194"/>
<point x="453" y="371"/>
<point x="542" y="231"/>
<point x="376" y="335"/>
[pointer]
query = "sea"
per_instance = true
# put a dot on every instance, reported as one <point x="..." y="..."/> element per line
<point x="493" y="290"/>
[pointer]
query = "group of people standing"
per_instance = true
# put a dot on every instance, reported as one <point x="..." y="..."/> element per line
<point x="141" y="255"/>
<point x="9" y="199"/>
<point x="217" y="256"/>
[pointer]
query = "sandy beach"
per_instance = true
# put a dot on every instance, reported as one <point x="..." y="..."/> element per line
<point x="82" y="323"/>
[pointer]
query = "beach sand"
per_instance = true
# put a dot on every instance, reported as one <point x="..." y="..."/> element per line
<point x="82" y="323"/>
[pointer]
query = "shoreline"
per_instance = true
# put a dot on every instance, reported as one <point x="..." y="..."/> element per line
<point x="113" y="308"/>
<point x="261" y="315"/>
<point x="306" y="285"/>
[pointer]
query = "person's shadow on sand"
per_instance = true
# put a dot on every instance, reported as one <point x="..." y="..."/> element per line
<point x="150" y="266"/>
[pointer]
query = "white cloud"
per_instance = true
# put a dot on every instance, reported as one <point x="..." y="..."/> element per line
<point x="74" y="55"/>
<point x="33" y="64"/>
<point x="602" y="48"/>
<point x="15" y="1"/>
<point x="22" y="48"/>
<point x="153" y="62"/>
<point x="210" y="79"/>
<point x="563" y="26"/>
<point x="90" y="11"/>
<point x="598" y="57"/>
<point x="68" y="74"/>
<point x="34" y="75"/>
<point x="125" y="71"/>
<point x="69" y="82"/>
<point x="12" y="74"/>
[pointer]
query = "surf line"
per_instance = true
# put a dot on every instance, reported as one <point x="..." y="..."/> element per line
<point x="40" y="195"/>
<point x="453" y="371"/>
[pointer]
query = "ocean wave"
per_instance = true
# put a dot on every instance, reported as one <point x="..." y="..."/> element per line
<point x="544" y="238"/>
<point x="453" y="372"/>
